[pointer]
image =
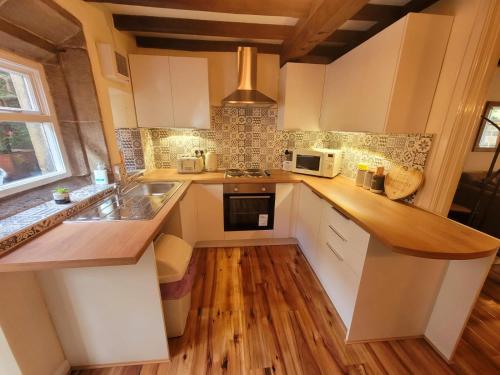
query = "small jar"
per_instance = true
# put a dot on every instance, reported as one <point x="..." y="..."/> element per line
<point x="367" y="183"/>
<point x="377" y="185"/>
<point x="360" y="175"/>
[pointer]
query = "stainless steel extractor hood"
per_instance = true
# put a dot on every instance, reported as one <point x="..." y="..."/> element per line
<point x="246" y="93"/>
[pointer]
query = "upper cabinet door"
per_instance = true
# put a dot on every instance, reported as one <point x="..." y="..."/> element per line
<point x="300" y="96"/>
<point x="189" y="77"/>
<point x="387" y="83"/>
<point x="152" y="88"/>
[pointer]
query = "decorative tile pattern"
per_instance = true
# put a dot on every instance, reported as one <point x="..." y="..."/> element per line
<point x="25" y="225"/>
<point x="249" y="138"/>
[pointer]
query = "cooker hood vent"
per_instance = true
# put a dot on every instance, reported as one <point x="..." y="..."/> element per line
<point x="246" y="93"/>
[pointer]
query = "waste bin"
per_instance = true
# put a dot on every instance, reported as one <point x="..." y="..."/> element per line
<point x="176" y="270"/>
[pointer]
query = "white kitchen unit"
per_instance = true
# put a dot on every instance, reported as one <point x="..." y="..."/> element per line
<point x="378" y="293"/>
<point x="170" y="91"/>
<point x="209" y="211"/>
<point x="300" y="96"/>
<point x="375" y="86"/>
<point x="309" y="207"/>
<point x="190" y="97"/>
<point x="202" y="216"/>
<point x="152" y="90"/>
<point x="188" y="214"/>
<point x="106" y="315"/>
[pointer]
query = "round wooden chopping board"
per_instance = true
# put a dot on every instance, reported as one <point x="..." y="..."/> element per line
<point x="402" y="182"/>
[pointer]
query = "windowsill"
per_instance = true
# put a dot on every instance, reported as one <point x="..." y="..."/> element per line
<point x="30" y="183"/>
<point x="25" y="225"/>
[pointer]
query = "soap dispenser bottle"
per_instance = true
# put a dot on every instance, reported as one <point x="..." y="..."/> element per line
<point x="101" y="174"/>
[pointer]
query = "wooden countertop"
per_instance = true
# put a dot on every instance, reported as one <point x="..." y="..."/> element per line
<point x="403" y="228"/>
<point x="90" y="244"/>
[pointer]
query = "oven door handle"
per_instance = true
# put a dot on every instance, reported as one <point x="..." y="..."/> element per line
<point x="249" y="196"/>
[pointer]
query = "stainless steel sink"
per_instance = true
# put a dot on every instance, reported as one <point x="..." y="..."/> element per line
<point x="154" y="188"/>
<point x="141" y="201"/>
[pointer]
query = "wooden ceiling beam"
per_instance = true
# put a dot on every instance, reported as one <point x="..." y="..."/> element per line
<point x="203" y="45"/>
<point x="201" y="27"/>
<point x="379" y="13"/>
<point x="286" y="8"/>
<point x="27" y="37"/>
<point x="324" y="18"/>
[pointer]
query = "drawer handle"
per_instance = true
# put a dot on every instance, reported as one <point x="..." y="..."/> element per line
<point x="333" y="251"/>
<point x="337" y="233"/>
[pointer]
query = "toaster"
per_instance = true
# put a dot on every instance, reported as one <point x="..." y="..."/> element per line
<point x="189" y="164"/>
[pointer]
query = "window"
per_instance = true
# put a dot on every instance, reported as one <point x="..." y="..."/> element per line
<point x="31" y="153"/>
<point x="488" y="137"/>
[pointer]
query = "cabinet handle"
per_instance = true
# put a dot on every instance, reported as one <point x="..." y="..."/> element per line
<point x="333" y="251"/>
<point x="337" y="233"/>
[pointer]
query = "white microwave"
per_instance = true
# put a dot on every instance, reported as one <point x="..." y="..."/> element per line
<point x="317" y="162"/>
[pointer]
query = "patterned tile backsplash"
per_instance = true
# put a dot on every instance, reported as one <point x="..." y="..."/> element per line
<point x="249" y="138"/>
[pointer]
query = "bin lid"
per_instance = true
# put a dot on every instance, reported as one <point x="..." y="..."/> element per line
<point x="172" y="258"/>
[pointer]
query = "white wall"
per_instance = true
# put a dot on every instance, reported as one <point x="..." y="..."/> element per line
<point x="28" y="341"/>
<point x="480" y="161"/>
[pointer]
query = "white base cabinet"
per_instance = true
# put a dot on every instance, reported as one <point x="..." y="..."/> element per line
<point x="209" y="211"/>
<point x="378" y="293"/>
<point x="308" y="221"/>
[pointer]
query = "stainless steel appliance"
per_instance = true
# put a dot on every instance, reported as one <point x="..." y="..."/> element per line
<point x="189" y="164"/>
<point x="249" y="172"/>
<point x="317" y="162"/>
<point x="140" y="201"/>
<point x="246" y="92"/>
<point x="249" y="206"/>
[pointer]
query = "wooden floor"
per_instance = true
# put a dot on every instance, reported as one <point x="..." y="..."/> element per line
<point x="479" y="349"/>
<point x="260" y="310"/>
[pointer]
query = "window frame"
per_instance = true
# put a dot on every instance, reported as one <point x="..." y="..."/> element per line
<point x="45" y="115"/>
<point x="477" y="147"/>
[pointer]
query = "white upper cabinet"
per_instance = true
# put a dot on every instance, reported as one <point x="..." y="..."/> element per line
<point x="170" y="91"/>
<point x="152" y="90"/>
<point x="189" y="77"/>
<point x="387" y="84"/>
<point x="300" y="95"/>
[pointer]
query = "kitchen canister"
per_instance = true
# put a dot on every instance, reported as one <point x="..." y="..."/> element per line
<point x="360" y="175"/>
<point x="367" y="183"/>
<point x="211" y="161"/>
<point x="377" y="184"/>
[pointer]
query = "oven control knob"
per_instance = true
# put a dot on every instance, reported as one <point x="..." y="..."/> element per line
<point x="236" y="189"/>
<point x="263" y="188"/>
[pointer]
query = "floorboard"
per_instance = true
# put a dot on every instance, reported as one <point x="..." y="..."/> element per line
<point x="261" y="310"/>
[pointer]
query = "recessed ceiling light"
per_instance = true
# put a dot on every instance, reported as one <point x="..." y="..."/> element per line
<point x="357" y="25"/>
<point x="398" y="3"/>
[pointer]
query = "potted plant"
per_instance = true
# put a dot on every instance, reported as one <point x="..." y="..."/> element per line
<point x="61" y="195"/>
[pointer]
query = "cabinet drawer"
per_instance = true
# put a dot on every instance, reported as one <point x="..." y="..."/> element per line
<point x="346" y="238"/>
<point x="350" y="252"/>
<point x="339" y="282"/>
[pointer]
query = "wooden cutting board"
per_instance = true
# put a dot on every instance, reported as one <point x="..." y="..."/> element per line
<point x="402" y="182"/>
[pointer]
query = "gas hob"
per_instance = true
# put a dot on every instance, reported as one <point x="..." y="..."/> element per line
<point x="250" y="172"/>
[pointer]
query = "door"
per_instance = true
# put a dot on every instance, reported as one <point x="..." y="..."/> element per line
<point x="190" y="95"/>
<point x="308" y="223"/>
<point x="152" y="90"/>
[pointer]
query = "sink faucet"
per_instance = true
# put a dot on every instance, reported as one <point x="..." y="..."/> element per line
<point x="124" y="181"/>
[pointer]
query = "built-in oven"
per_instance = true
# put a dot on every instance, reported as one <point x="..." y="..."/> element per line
<point x="249" y="206"/>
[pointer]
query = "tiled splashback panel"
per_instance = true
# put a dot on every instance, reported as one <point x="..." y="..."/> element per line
<point x="249" y="138"/>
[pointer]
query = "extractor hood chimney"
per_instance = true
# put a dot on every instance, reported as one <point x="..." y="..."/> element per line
<point x="246" y="93"/>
